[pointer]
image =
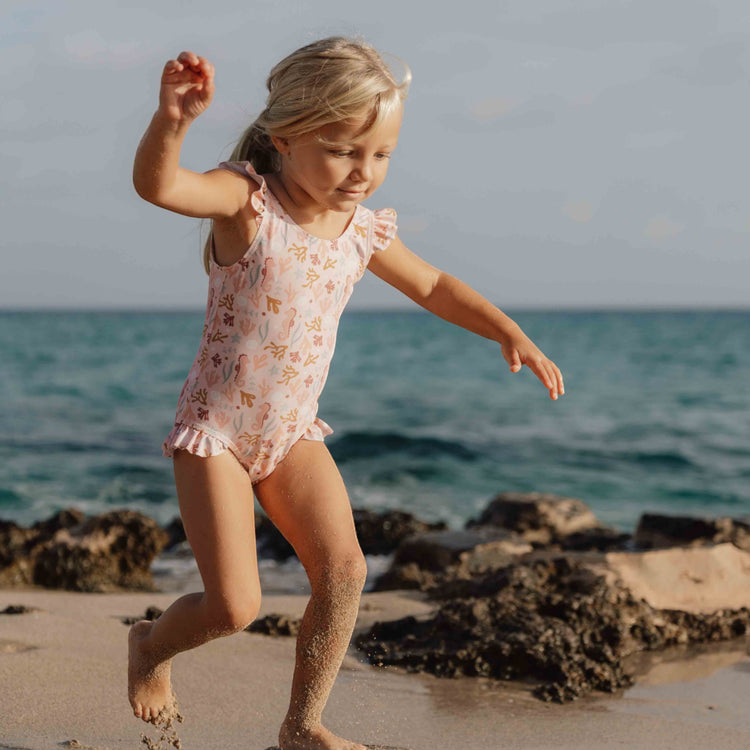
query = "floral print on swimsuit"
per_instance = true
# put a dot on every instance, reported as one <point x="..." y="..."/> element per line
<point x="269" y="335"/>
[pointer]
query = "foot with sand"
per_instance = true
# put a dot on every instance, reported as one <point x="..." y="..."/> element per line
<point x="149" y="685"/>
<point x="314" y="738"/>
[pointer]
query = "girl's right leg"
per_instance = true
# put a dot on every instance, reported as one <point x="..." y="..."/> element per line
<point x="216" y="504"/>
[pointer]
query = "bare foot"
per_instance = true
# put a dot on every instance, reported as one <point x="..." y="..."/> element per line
<point x="149" y="686"/>
<point x="317" y="738"/>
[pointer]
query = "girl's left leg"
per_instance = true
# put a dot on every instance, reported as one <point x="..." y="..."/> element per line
<point x="306" y="499"/>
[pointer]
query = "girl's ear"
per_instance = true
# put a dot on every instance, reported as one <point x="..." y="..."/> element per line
<point x="281" y="144"/>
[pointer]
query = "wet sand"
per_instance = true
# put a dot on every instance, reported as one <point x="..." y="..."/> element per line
<point x="63" y="684"/>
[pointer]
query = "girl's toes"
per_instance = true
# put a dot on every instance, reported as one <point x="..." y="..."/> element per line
<point x="138" y="710"/>
<point x="146" y="714"/>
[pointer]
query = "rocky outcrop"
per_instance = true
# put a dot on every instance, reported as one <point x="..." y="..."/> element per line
<point x="423" y="560"/>
<point x="69" y="551"/>
<point x="18" y="609"/>
<point x="382" y="533"/>
<point x="512" y="524"/>
<point x="565" y="622"/>
<point x="544" y="519"/>
<point x="656" y="530"/>
<point x="559" y="598"/>
<point x="378" y="533"/>
<point x="152" y="613"/>
<point x="275" y="625"/>
<point x="699" y="580"/>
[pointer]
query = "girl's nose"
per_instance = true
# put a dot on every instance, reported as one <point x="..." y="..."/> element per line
<point x="363" y="170"/>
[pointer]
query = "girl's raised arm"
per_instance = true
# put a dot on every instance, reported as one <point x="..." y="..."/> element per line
<point x="187" y="87"/>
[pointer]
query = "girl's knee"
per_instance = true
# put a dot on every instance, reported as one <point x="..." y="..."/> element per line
<point x="348" y="570"/>
<point x="231" y="614"/>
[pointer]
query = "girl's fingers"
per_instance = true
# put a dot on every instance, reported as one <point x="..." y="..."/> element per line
<point x="545" y="369"/>
<point x="555" y="381"/>
<point x="196" y="62"/>
<point x="541" y="369"/>
<point x="208" y="69"/>
<point x="188" y="57"/>
<point x="550" y="381"/>
<point x="560" y="383"/>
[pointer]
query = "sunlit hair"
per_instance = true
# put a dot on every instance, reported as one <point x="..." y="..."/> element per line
<point x="325" y="82"/>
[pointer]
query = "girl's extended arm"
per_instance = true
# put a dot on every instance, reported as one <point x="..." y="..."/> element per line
<point x="451" y="299"/>
<point x="187" y="86"/>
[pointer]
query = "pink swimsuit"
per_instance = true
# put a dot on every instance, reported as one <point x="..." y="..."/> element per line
<point x="269" y="335"/>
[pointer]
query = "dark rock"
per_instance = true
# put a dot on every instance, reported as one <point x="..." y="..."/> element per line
<point x="420" y="557"/>
<point x="600" y="539"/>
<point x="269" y="541"/>
<point x="176" y="533"/>
<point x="538" y="517"/>
<point x="556" y="621"/>
<point x="18" y="609"/>
<point x="152" y="613"/>
<point x="69" y="551"/>
<point x="490" y="556"/>
<point x="378" y="533"/>
<point x="63" y="519"/>
<point x="15" y="542"/>
<point x="657" y="531"/>
<point x="381" y="533"/>
<point x="436" y="550"/>
<point x="405" y="576"/>
<point x="275" y="625"/>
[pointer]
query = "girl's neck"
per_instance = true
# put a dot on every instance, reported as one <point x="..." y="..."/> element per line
<point x="304" y="211"/>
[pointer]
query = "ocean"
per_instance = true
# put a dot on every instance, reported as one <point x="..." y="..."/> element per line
<point x="426" y="416"/>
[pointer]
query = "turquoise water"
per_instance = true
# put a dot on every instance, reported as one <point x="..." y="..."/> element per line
<point x="426" y="416"/>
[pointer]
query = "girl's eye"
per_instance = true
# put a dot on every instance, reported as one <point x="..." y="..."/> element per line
<point x="383" y="156"/>
<point x="341" y="153"/>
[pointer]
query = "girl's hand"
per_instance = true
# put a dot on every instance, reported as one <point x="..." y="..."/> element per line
<point x="187" y="87"/>
<point x="518" y="349"/>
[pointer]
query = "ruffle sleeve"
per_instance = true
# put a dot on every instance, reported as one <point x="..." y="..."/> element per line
<point x="385" y="228"/>
<point x="258" y="197"/>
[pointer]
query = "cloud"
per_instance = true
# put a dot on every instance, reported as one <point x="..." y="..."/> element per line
<point x="716" y="64"/>
<point x="491" y="109"/>
<point x="661" y="228"/>
<point x="580" y="211"/>
<point x="89" y="46"/>
<point x="13" y="111"/>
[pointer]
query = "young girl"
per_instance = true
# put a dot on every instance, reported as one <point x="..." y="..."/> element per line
<point x="290" y="238"/>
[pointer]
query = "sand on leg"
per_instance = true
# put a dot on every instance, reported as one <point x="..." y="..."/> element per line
<point x="216" y="504"/>
<point x="306" y="499"/>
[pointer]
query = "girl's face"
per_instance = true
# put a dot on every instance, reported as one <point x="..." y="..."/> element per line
<point x="339" y="177"/>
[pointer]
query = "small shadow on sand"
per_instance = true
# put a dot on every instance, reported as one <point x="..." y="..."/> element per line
<point x="14" y="647"/>
<point x="78" y="746"/>
<point x="369" y="747"/>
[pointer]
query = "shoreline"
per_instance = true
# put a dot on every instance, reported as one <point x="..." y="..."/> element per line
<point x="63" y="670"/>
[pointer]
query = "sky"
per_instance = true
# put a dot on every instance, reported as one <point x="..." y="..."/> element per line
<point x="554" y="153"/>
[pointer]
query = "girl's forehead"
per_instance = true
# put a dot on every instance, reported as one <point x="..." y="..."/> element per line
<point x="351" y="129"/>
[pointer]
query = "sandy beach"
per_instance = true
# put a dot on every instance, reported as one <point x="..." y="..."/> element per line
<point x="63" y="684"/>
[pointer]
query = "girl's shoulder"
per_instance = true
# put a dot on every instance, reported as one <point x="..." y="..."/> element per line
<point x="384" y="227"/>
<point x="259" y="196"/>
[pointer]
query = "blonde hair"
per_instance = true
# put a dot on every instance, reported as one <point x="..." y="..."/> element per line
<point x="321" y="83"/>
